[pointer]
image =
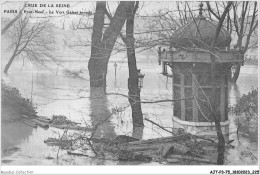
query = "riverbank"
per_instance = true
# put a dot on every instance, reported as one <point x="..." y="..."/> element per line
<point x="13" y="104"/>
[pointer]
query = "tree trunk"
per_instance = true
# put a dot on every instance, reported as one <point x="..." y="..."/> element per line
<point x="216" y="115"/>
<point x="100" y="114"/>
<point x="134" y="100"/>
<point x="236" y="74"/>
<point x="9" y="64"/>
<point x="134" y="90"/>
<point x="96" y="57"/>
<point x="102" y="45"/>
<point x="138" y="132"/>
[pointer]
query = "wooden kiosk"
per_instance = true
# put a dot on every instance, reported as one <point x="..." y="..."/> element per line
<point x="190" y="62"/>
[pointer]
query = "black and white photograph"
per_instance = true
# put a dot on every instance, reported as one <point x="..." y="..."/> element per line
<point x="149" y="84"/>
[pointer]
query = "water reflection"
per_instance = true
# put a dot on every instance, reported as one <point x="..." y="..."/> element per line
<point x="100" y="114"/>
<point x="13" y="133"/>
<point x="234" y="94"/>
<point x="138" y="132"/>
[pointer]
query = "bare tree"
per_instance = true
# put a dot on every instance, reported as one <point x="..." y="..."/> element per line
<point x="129" y="40"/>
<point x="214" y="113"/>
<point x="31" y="40"/>
<point x="134" y="90"/>
<point x="103" y="42"/>
<point x="243" y="24"/>
<point x="156" y="29"/>
<point x="7" y="26"/>
<point x="100" y="55"/>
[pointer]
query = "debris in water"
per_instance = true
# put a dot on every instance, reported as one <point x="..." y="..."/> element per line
<point x="63" y="144"/>
<point x="10" y="150"/>
<point x="49" y="157"/>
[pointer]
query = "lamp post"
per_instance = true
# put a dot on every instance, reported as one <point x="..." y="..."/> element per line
<point x="159" y="53"/>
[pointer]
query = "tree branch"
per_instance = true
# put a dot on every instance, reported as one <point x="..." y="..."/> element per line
<point x="211" y="11"/>
<point x="220" y="23"/>
<point x="14" y="20"/>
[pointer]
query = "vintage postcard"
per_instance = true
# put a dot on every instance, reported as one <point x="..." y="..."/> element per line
<point x="158" y="85"/>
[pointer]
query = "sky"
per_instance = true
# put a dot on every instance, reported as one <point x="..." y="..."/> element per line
<point x="145" y="8"/>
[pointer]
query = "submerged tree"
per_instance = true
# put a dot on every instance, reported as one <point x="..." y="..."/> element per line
<point x="105" y="31"/>
<point x="31" y="40"/>
<point x="103" y="42"/>
<point x="134" y="90"/>
<point x="133" y="80"/>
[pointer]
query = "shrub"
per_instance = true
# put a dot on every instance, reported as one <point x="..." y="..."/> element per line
<point x="13" y="103"/>
<point x="247" y="104"/>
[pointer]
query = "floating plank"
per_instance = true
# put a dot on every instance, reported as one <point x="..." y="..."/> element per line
<point x="161" y="140"/>
<point x="174" y="148"/>
<point x="77" y="154"/>
<point x="179" y="148"/>
<point x="28" y="123"/>
<point x="167" y="150"/>
<point x="133" y="148"/>
<point x="41" y="124"/>
<point x="101" y="140"/>
<point x="192" y="159"/>
<point x="79" y="128"/>
<point x="33" y="120"/>
<point x="171" y="160"/>
<point x="43" y="120"/>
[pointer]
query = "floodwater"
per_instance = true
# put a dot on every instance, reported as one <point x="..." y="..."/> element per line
<point x="55" y="93"/>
